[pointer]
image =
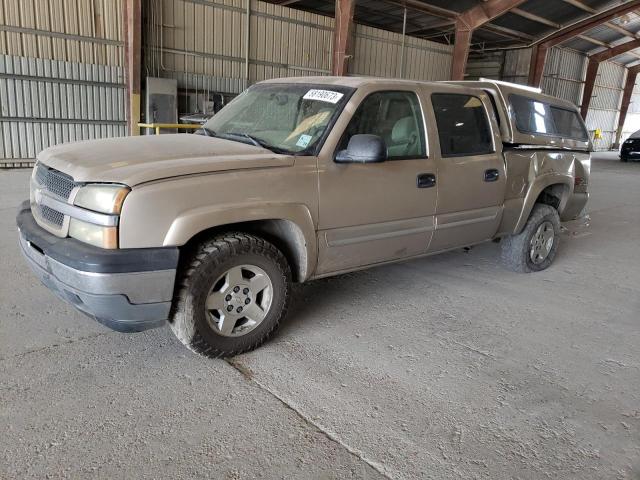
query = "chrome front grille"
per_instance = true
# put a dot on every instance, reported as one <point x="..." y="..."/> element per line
<point x="50" y="215"/>
<point x="53" y="181"/>
<point x="59" y="185"/>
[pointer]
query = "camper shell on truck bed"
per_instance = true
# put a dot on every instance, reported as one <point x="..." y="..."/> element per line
<point x="528" y="117"/>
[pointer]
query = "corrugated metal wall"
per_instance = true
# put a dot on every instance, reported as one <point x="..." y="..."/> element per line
<point x="563" y="73"/>
<point x="52" y="90"/>
<point x="605" y="103"/>
<point x="202" y="42"/>
<point x="486" y="65"/>
<point x="46" y="102"/>
<point x="516" y="66"/>
<point x="634" y="104"/>
<point x="61" y="75"/>
<point x="84" y="31"/>
<point x="202" y="45"/>
<point x="378" y="53"/>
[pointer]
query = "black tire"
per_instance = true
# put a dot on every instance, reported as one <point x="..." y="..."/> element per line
<point x="623" y="158"/>
<point x="516" y="248"/>
<point x="203" y="267"/>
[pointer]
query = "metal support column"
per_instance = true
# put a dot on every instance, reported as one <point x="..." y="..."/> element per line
<point x="404" y="36"/>
<point x="133" y="61"/>
<point x="632" y="75"/>
<point x="342" y="36"/>
<point x="247" y="43"/>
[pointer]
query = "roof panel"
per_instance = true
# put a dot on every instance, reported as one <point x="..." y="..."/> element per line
<point x="521" y="24"/>
<point x="605" y="34"/>
<point x="456" y="6"/>
<point x="580" y="45"/>
<point x="631" y="22"/>
<point x="626" y="58"/>
<point x="555" y="11"/>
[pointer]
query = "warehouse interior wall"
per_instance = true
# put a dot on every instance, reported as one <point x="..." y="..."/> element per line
<point x="61" y="74"/>
<point x="203" y="46"/>
<point x="62" y="61"/>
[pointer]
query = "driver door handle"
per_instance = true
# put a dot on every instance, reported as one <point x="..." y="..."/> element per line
<point x="491" y="175"/>
<point x="426" y="180"/>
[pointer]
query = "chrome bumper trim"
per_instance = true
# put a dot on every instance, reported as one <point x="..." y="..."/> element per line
<point x="44" y="198"/>
<point x="139" y="287"/>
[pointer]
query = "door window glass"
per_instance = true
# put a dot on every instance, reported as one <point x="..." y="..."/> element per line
<point x="396" y="117"/>
<point x="534" y="116"/>
<point x="463" y="125"/>
<point x="568" y="124"/>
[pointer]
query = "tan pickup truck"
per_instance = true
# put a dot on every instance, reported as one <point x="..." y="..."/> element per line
<point x="294" y="180"/>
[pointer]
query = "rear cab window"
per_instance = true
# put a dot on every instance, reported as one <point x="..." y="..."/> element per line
<point x="541" y="118"/>
<point x="463" y="125"/>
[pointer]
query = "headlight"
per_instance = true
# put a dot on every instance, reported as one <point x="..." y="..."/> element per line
<point x="103" y="198"/>
<point x="99" y="236"/>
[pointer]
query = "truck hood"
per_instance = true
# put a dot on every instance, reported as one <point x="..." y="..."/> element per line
<point x="135" y="160"/>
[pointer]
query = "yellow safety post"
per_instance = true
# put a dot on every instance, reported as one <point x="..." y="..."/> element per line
<point x="159" y="126"/>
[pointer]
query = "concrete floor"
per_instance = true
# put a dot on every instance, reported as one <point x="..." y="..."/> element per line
<point x="446" y="367"/>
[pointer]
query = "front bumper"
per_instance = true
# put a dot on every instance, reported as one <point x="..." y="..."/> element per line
<point x="630" y="154"/>
<point x="128" y="290"/>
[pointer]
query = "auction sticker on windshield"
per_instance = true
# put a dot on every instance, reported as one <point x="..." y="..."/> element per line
<point x="323" y="96"/>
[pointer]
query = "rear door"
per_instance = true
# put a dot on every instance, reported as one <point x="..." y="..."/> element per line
<point x="470" y="169"/>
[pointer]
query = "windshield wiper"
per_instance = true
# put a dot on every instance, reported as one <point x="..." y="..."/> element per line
<point x="208" y="132"/>
<point x="258" y="142"/>
<point x="254" y="140"/>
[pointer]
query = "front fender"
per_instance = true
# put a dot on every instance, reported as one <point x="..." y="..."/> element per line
<point x="192" y="222"/>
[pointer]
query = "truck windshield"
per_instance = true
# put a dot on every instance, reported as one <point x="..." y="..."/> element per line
<point x="285" y="118"/>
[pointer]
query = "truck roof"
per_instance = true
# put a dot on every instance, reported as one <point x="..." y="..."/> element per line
<point x="504" y="88"/>
<point x="499" y="91"/>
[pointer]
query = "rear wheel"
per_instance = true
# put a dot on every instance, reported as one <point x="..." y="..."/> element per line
<point x="534" y="248"/>
<point x="232" y="295"/>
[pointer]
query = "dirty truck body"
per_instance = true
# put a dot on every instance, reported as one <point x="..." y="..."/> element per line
<point x="303" y="178"/>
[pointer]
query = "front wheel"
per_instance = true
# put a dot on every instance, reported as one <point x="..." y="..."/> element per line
<point x="232" y="295"/>
<point x="534" y="248"/>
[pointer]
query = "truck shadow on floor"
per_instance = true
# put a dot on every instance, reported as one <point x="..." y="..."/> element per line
<point x="318" y="298"/>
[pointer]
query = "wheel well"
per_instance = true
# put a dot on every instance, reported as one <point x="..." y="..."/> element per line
<point x="285" y="235"/>
<point x="553" y="195"/>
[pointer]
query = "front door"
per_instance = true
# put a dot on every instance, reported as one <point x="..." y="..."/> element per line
<point x="376" y="212"/>
<point x="471" y="171"/>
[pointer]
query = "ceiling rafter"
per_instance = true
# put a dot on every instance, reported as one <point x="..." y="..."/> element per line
<point x="470" y="20"/>
<point x="592" y="69"/>
<point x="535" y="18"/>
<point x="571" y="31"/>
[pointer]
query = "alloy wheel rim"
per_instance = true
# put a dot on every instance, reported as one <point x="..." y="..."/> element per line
<point x="239" y="300"/>
<point x="542" y="243"/>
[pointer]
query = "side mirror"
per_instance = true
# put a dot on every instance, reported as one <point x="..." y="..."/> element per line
<point x="363" y="149"/>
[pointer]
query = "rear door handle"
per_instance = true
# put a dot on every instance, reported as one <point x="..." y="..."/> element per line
<point x="426" y="180"/>
<point x="491" y="175"/>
